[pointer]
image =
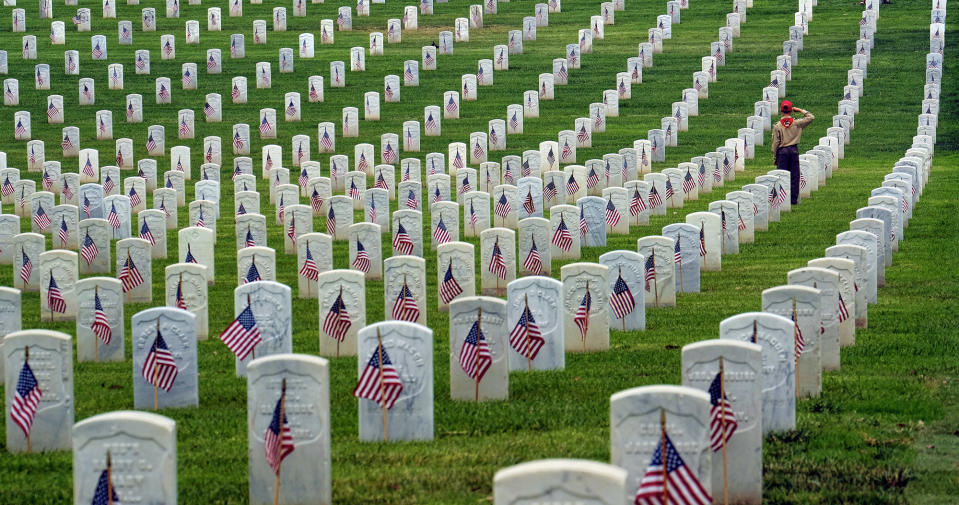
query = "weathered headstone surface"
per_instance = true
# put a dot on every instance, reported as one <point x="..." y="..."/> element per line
<point x="186" y="286"/>
<point x="305" y="473"/>
<point x="137" y="442"/>
<point x="626" y="282"/>
<point x="488" y="316"/>
<point x="802" y="305"/>
<point x="689" y="254"/>
<point x="635" y="430"/>
<point x="51" y="362"/>
<point x="659" y="253"/>
<point x="742" y="382"/>
<point x="827" y="282"/>
<point x="454" y="259"/>
<point x="176" y="330"/>
<point x="58" y="269"/>
<point x="585" y="306"/>
<point x="543" y="296"/>
<point x="775" y="335"/>
<point x="559" y="481"/>
<point x="100" y="297"/>
<point x="341" y="298"/>
<point x="271" y="305"/>
<point x="409" y="348"/>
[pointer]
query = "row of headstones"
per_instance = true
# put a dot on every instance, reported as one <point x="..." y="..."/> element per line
<point x="551" y="478"/>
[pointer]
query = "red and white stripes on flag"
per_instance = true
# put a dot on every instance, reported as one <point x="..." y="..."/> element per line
<point x="676" y="485"/>
<point x="159" y="368"/>
<point x="722" y="422"/>
<point x="526" y="338"/>
<point x="101" y="325"/>
<point x="337" y="321"/>
<point x="475" y="357"/>
<point x="379" y="382"/>
<point x="26" y="399"/>
<point x="242" y="335"/>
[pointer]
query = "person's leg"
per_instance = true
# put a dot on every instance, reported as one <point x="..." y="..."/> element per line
<point x="792" y="162"/>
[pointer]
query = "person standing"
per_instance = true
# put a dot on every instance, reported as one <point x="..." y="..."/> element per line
<point x="786" y="135"/>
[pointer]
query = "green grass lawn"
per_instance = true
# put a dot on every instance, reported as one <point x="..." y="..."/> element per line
<point x="885" y="427"/>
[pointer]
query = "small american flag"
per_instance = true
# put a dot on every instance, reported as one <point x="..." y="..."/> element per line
<point x="622" y="301"/>
<point x="265" y="127"/>
<point x="89" y="250"/>
<point x="314" y="95"/>
<point x="52" y="111"/>
<point x="581" y="318"/>
<point x="571" y="185"/>
<point x="650" y="270"/>
<point x="46" y="181"/>
<point x="235" y="93"/>
<point x="478" y="151"/>
<point x="449" y="289"/>
<point x="411" y="201"/>
<point x="64" y="233"/>
<point x="526" y="338"/>
<point x="843" y="310"/>
<point x="237" y="141"/>
<point x="389" y="155"/>
<point x="800" y="341"/>
<point x="402" y="241"/>
<point x="151" y="144"/>
<point x="379" y="382"/>
<point x="528" y="205"/>
<point x="252" y="274"/>
<point x="441" y="235"/>
<point x="26" y="399"/>
<point x="637" y="204"/>
<point x="514" y="121"/>
<point x="55" y="300"/>
<point x="583" y="135"/>
<point x="327" y="142"/>
<point x="562" y="238"/>
<point x="190" y="258"/>
<point x="105" y="493"/>
<point x="141" y="63"/>
<point x="781" y="197"/>
<point x="654" y="199"/>
<point x="316" y="201"/>
<point x="583" y="225"/>
<point x="26" y="268"/>
<point x="497" y="264"/>
<point x="722" y="421"/>
<point x="562" y="74"/>
<point x="677" y="483"/>
<point x="40" y="218"/>
<point x="702" y="242"/>
<point x="278" y="440"/>
<point x="405" y="307"/>
<point x="431" y="123"/>
<point x="242" y="335"/>
<point x="331" y="222"/>
<point x="200" y="223"/>
<point x="458" y="161"/>
<point x="502" y="206"/>
<point x="493" y="136"/>
<point x="567" y="153"/>
<point x="592" y="179"/>
<point x="129" y="275"/>
<point x="550" y="157"/>
<point x="67" y="191"/>
<point x="309" y="270"/>
<point x="249" y="241"/>
<point x="354" y="192"/>
<point x="475" y="357"/>
<point x="451" y="106"/>
<point x="612" y="214"/>
<point x="428" y="59"/>
<point x="474" y="218"/>
<point x="362" y="260"/>
<point x="210" y="63"/>
<point x="533" y="263"/>
<point x="97" y="52"/>
<point x="669" y="189"/>
<point x="8" y="94"/>
<point x="20" y="130"/>
<point x="688" y="183"/>
<point x="372" y="211"/>
<point x="549" y="192"/>
<point x="66" y="144"/>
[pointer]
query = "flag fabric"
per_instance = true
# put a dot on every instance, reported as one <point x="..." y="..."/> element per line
<point x="7" y="188"/>
<point x="55" y="301"/>
<point x="502" y="206"/>
<point x="441" y="235"/>
<point x="309" y="270"/>
<point x="26" y="399"/>
<point x="449" y="289"/>
<point x="591" y="179"/>
<point x="526" y="338"/>
<point x="64" y="233"/>
<point x="637" y="204"/>
<point x="405" y="307"/>
<point x="190" y="258"/>
<point x="722" y="422"/>
<point x="581" y="318"/>
<point x="654" y="199"/>
<point x="354" y="192"/>
<point x="179" y="301"/>
<point x="337" y="321"/>
<point x="159" y="368"/>
<point x="800" y="341"/>
<point x="26" y="268"/>
<point x="583" y="225"/>
<point x="411" y="201"/>
<point x="40" y="218"/>
<point x="677" y="252"/>
<point x="252" y="274"/>
<point x="843" y="310"/>
<point x="702" y="242"/>
<point x="571" y="185"/>
<point x="612" y="214"/>
<point x="129" y="275"/>
<point x="101" y="325"/>
<point x="680" y="486"/>
<point x="402" y="241"/>
<point x="291" y="231"/>
<point x="622" y="301"/>
<point x="105" y="493"/>
<point x="134" y="197"/>
<point x="242" y="335"/>
<point x="649" y="270"/>
<point x="497" y="264"/>
<point x="362" y="260"/>
<point x="528" y="205"/>
<point x="473" y="217"/>
<point x="265" y="128"/>
<point x="278" y="440"/>
<point x="379" y="382"/>
<point x="669" y="189"/>
<point x="533" y="262"/>
<point x="549" y="192"/>
<point x="689" y="184"/>
<point x="701" y="175"/>
<point x="331" y="222"/>
<point x="562" y="238"/>
<point x="316" y="201"/>
<point x="475" y="357"/>
<point x="89" y="249"/>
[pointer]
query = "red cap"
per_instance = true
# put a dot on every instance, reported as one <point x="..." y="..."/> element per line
<point x="787" y="107"/>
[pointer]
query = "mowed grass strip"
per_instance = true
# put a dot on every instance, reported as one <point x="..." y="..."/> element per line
<point x="862" y="442"/>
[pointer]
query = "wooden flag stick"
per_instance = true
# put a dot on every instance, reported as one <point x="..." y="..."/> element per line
<point x="48" y="297"/>
<point x="26" y="361"/>
<point x="529" y="361"/>
<point x="795" y="344"/>
<point x="681" y="289"/>
<point x="722" y="423"/>
<point x="624" y="317"/>
<point x="279" y="465"/>
<point x="662" y="429"/>
<point x="586" y="322"/>
<point x="156" y="372"/>
<point x="722" y="235"/>
<point x="338" y="340"/>
<point x="250" y="304"/>
<point x="655" y="283"/>
<point x="479" y="332"/>
<point x="755" y="334"/>
<point x="96" y="340"/>
<point x="382" y="402"/>
<point x="109" y="480"/>
<point x="496" y="275"/>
